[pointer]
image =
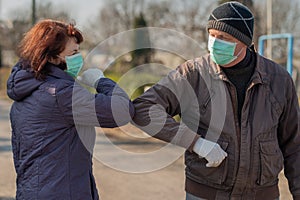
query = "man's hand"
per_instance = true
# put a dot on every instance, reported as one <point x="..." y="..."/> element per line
<point x="211" y="151"/>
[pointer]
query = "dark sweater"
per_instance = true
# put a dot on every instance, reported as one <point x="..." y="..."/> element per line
<point x="239" y="75"/>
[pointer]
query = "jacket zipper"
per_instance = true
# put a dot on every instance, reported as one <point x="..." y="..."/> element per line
<point x="233" y="94"/>
<point x="247" y="98"/>
<point x="235" y="112"/>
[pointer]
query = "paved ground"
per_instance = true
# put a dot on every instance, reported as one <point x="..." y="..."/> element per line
<point x="166" y="183"/>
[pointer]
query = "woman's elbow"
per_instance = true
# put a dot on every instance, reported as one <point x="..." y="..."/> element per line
<point x="127" y="114"/>
<point x="123" y="112"/>
<point x="131" y="110"/>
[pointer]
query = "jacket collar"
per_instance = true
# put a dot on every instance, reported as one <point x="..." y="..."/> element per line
<point x="57" y="72"/>
<point x="259" y="75"/>
<point x="260" y="69"/>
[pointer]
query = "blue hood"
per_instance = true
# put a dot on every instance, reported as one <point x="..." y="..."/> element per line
<point x="21" y="83"/>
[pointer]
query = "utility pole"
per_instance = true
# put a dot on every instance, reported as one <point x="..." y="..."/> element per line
<point x="269" y="27"/>
<point x="1" y="63"/>
<point x="33" y="19"/>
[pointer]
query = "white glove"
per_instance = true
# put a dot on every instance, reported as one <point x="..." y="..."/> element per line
<point x="211" y="151"/>
<point x="91" y="77"/>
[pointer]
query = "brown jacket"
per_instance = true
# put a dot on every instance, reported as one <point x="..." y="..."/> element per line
<point x="267" y="140"/>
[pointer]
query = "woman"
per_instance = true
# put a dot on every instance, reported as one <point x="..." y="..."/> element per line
<point x="53" y="117"/>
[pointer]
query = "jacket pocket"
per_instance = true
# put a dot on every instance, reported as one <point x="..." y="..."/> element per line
<point x="205" y="105"/>
<point x="271" y="163"/>
<point x="197" y="168"/>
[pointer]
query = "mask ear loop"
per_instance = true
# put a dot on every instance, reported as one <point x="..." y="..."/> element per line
<point x="63" y="59"/>
<point x="60" y="56"/>
<point x="239" y="53"/>
<point x="236" y="56"/>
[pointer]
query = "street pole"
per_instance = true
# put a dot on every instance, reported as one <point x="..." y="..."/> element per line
<point x="269" y="28"/>
<point x="1" y="63"/>
<point x="33" y="19"/>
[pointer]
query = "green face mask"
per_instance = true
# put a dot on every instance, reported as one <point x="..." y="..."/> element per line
<point x="74" y="64"/>
<point x="221" y="52"/>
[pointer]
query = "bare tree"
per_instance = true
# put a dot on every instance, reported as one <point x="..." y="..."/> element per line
<point x="114" y="17"/>
<point x="286" y="16"/>
<point x="47" y="10"/>
<point x="189" y="17"/>
<point x="286" y="19"/>
<point x="22" y="22"/>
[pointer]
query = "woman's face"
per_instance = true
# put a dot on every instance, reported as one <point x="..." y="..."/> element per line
<point x="71" y="48"/>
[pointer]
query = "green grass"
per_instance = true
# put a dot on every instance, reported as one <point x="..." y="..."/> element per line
<point x="4" y="74"/>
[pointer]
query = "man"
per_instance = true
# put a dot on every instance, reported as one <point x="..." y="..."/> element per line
<point x="239" y="115"/>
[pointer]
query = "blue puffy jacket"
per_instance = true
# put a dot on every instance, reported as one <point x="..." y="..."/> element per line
<point x="53" y="132"/>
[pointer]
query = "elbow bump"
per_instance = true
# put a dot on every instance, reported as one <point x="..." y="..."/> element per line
<point x="123" y="113"/>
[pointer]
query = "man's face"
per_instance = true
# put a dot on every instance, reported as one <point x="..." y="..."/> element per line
<point x="222" y="36"/>
<point x="240" y="47"/>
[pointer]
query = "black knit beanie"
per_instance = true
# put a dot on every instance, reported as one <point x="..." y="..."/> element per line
<point x="235" y="19"/>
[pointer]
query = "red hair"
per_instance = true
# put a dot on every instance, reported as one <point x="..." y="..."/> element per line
<point x="44" y="41"/>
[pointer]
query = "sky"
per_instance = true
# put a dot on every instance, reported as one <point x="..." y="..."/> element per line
<point x="79" y="10"/>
